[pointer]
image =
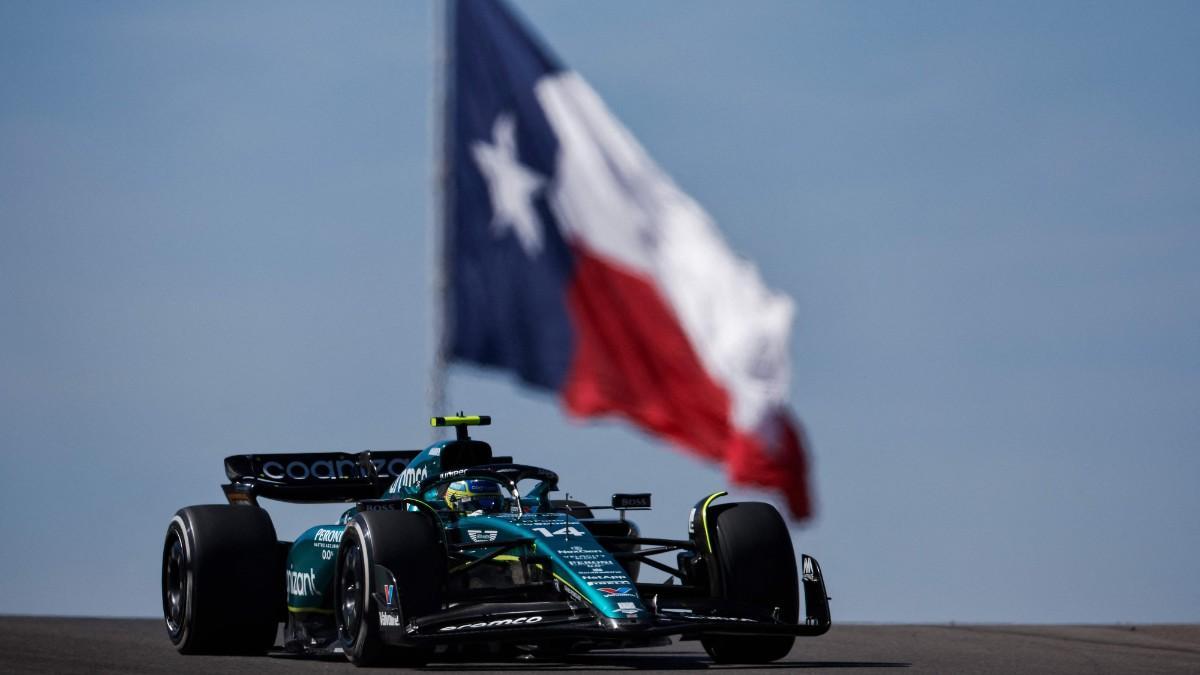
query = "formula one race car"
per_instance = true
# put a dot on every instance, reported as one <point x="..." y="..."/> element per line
<point x="451" y="551"/>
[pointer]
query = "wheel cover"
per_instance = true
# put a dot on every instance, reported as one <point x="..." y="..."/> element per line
<point x="175" y="591"/>
<point x="352" y="587"/>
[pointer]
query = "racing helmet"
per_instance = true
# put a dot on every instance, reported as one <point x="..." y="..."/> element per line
<point x="475" y="494"/>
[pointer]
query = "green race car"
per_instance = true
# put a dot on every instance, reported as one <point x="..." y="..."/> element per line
<point x="451" y="550"/>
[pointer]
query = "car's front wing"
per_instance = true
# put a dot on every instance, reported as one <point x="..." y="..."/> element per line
<point x="568" y="620"/>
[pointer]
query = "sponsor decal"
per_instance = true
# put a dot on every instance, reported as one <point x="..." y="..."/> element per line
<point x="623" y="590"/>
<point x="585" y="556"/>
<point x="605" y="579"/>
<point x="526" y="620"/>
<point x="692" y="521"/>
<point x="634" y="501"/>
<point x="719" y="618"/>
<point x="409" y="478"/>
<point x="389" y="620"/>
<point x="327" y="541"/>
<point x="545" y="520"/>
<point x="389" y="592"/>
<point x="482" y="535"/>
<point x="328" y="536"/>
<point x="380" y="504"/>
<point x="328" y="469"/>
<point x="627" y="608"/>
<point x="302" y="584"/>
<point x="808" y="568"/>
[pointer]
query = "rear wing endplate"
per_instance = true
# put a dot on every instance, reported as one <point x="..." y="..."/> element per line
<point x="313" y="477"/>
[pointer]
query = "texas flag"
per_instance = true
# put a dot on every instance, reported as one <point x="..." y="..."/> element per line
<point x="574" y="261"/>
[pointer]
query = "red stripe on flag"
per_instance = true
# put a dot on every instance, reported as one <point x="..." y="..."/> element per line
<point x="775" y="458"/>
<point x="633" y="359"/>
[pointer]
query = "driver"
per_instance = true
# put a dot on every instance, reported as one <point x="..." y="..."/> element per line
<point x="475" y="495"/>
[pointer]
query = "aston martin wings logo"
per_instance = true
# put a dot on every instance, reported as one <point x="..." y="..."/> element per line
<point x="482" y="535"/>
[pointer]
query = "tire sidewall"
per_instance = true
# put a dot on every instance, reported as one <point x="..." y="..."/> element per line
<point x="362" y="647"/>
<point x="179" y="530"/>
<point x="234" y="590"/>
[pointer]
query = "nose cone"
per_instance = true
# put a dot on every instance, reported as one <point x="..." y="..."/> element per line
<point x="586" y="567"/>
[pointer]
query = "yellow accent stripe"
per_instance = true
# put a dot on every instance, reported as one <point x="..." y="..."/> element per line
<point x="314" y="610"/>
<point x="501" y="558"/>
<point x="704" y="517"/>
<point x="418" y="502"/>
<point x="572" y="587"/>
<point x="452" y="421"/>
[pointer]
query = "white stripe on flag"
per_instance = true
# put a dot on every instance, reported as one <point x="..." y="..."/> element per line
<point x="612" y="198"/>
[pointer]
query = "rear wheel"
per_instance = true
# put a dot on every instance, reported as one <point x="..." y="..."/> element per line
<point x="754" y="564"/>
<point x="405" y="543"/>
<point x="221" y="589"/>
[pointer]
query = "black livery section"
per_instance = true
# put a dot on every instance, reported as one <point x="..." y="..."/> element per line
<point x="329" y="477"/>
<point x="313" y="477"/>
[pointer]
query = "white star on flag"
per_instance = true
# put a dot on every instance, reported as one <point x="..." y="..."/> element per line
<point x="511" y="185"/>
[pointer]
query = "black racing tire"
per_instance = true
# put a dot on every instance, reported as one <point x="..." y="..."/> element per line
<point x="409" y="545"/>
<point x="755" y="565"/>
<point x="221" y="583"/>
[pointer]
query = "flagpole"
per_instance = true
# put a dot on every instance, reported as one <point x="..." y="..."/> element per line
<point x="439" y="230"/>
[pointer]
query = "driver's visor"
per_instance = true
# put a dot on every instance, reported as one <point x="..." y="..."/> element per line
<point x="489" y="504"/>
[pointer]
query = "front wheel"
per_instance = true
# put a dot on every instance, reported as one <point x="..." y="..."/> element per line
<point x="406" y="544"/>
<point x="756" y="566"/>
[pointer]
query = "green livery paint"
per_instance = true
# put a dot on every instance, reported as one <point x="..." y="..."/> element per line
<point x="310" y="569"/>
<point x="578" y="561"/>
<point x="451" y="546"/>
<point x="425" y="465"/>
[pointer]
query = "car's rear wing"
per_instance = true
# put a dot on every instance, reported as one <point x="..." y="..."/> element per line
<point x="313" y="477"/>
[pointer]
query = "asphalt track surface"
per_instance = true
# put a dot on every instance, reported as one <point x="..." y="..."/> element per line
<point x="68" y="645"/>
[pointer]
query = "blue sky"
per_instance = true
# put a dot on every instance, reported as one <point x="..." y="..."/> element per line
<point x="214" y="238"/>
